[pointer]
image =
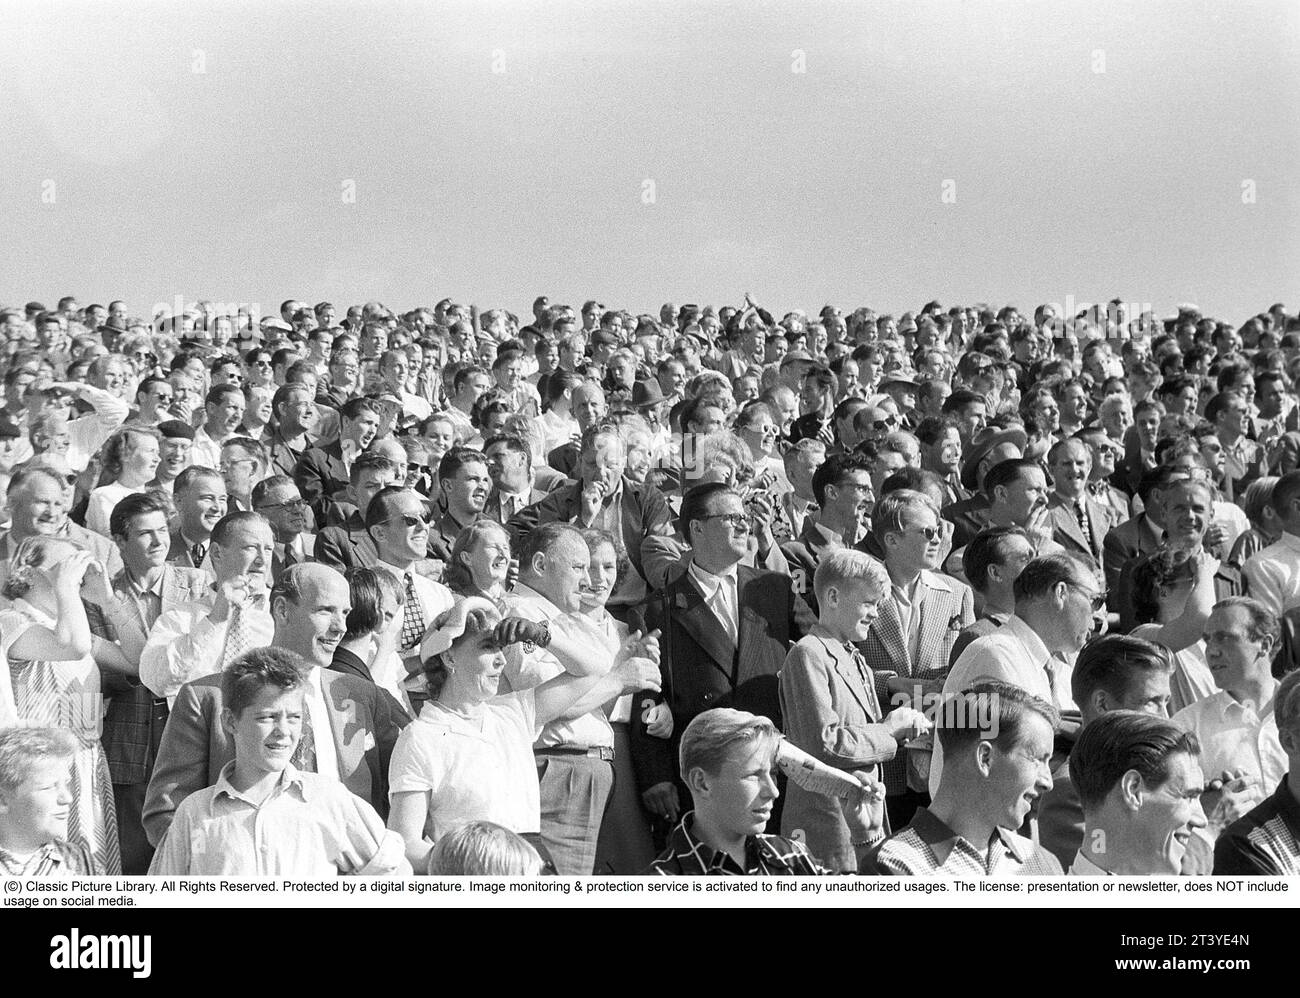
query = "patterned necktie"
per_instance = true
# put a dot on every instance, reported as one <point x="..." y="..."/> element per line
<point x="724" y="605"/>
<point x="304" y="756"/>
<point x="239" y="635"/>
<point x="197" y="552"/>
<point x="1081" y="512"/>
<point x="412" y="616"/>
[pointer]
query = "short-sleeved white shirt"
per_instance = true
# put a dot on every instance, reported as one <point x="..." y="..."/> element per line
<point x="472" y="774"/>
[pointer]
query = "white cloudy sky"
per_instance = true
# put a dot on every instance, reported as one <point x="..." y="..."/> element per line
<point x="803" y="188"/>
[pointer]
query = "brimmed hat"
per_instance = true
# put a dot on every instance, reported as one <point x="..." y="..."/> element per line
<point x="985" y="441"/>
<point x="604" y="338"/>
<point x="450" y="625"/>
<point x="899" y="377"/>
<point x="647" y="394"/>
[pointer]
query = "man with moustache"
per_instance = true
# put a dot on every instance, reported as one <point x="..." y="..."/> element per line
<point x="1079" y="522"/>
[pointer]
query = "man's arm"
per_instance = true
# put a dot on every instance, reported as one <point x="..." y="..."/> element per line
<point x="309" y="476"/>
<point x="333" y="548"/>
<point x="89" y="432"/>
<point x="183" y="645"/>
<point x="182" y="765"/>
<point x="812" y="723"/>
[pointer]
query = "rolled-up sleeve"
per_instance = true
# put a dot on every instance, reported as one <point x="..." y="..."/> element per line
<point x="183" y="645"/>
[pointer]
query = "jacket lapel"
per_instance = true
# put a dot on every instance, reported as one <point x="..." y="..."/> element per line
<point x="1067" y="524"/>
<point x="936" y="613"/>
<point x="699" y="621"/>
<point x="865" y="697"/>
<point x="889" y="628"/>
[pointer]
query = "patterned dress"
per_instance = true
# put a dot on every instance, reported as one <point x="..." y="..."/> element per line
<point x="67" y="695"/>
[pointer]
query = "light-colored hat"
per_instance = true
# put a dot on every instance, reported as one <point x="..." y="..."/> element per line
<point x="450" y="625"/>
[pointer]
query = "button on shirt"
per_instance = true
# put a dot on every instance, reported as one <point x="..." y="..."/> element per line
<point x="308" y="827"/>
<point x="528" y="669"/>
<point x="1234" y="736"/>
<point x="185" y="644"/>
<point x="720" y="595"/>
<point x="1273" y="574"/>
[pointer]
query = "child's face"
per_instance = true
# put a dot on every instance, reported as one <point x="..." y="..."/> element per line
<point x="36" y="811"/>
<point x="268" y="730"/>
<point x="853" y="610"/>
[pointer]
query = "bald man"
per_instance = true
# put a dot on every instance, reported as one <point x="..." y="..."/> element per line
<point x="348" y="729"/>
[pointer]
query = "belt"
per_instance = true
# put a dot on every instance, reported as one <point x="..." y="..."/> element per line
<point x="605" y="753"/>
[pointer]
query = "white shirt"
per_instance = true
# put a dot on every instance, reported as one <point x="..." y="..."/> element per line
<point x="88" y="433"/>
<point x="724" y="606"/>
<point x="205" y="451"/>
<point x="472" y="771"/>
<point x="185" y="644"/>
<point x="528" y="669"/>
<point x="1234" y="736"/>
<point x="413" y="405"/>
<point x="1012" y="654"/>
<point x="327" y="755"/>
<point x="1273" y="574"/>
<point x="102" y="501"/>
<point x="559" y="430"/>
<point x="434" y="599"/>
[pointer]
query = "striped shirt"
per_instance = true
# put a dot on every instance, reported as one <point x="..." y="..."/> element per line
<point x="929" y="848"/>
<point x="54" y="859"/>
<point x="1265" y="842"/>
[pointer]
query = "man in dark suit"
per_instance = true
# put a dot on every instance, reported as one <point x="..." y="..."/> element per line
<point x="374" y="606"/>
<point x="322" y="472"/>
<point x="511" y="466"/>
<point x="1079" y="523"/>
<point x="602" y="497"/>
<point x="137" y="596"/>
<point x="346" y="544"/>
<point x="295" y="410"/>
<point x="1141" y="534"/>
<point x="350" y="724"/>
<point x="725" y="628"/>
<point x="463" y="487"/>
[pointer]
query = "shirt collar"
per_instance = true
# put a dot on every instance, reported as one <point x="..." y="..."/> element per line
<point x="942" y="840"/>
<point x="125" y="584"/>
<point x="1028" y="637"/>
<point x="542" y="603"/>
<point x="1084" y="867"/>
<point x="289" y="777"/>
<point x="708" y="581"/>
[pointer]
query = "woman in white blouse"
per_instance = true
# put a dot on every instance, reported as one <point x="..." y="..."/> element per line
<point x="130" y="462"/>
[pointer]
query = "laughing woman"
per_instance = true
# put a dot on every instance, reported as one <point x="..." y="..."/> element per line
<point x="469" y="755"/>
<point x="55" y="682"/>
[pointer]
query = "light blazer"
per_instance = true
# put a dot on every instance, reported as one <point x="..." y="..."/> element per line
<point x="830" y="710"/>
<point x="195" y="745"/>
<point x="128" y="728"/>
<point x="1067" y="532"/>
<point x="946" y="608"/>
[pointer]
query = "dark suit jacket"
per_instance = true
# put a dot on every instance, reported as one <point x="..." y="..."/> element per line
<point x="702" y="669"/>
<point x="1227" y="582"/>
<point x="320" y="475"/>
<point x="644" y="512"/>
<point x="803" y="556"/>
<point x="128" y="736"/>
<point x="492" y="508"/>
<point x="564" y="459"/>
<point x="195" y="745"/>
<point x="1067" y="532"/>
<point x="283" y="461"/>
<point x="1124" y="543"/>
<point x="352" y="665"/>
<point x="968" y="517"/>
<point x="346" y="547"/>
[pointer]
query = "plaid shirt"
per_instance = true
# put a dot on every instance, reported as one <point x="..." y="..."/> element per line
<point x="54" y="859"/>
<point x="1266" y="842"/>
<point x="929" y="848"/>
<point x="765" y="856"/>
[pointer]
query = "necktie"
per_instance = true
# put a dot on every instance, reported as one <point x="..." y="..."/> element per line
<point x="1050" y="668"/>
<point x="868" y="682"/>
<point x="412" y="616"/>
<point x="197" y="551"/>
<point x="304" y="755"/>
<point x="239" y="635"/>
<point x="724" y="605"/>
<point x="1081" y="512"/>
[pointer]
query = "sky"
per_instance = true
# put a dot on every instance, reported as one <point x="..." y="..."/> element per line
<point x="861" y="153"/>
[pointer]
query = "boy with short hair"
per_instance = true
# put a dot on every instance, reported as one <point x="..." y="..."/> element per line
<point x="264" y="817"/>
<point x="35" y="801"/>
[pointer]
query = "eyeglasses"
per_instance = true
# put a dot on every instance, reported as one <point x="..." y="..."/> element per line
<point x="930" y="533"/>
<point x="1098" y="600"/>
<point x="731" y="519"/>
<point x="288" y="504"/>
<point x="410" y="521"/>
<point x="885" y="424"/>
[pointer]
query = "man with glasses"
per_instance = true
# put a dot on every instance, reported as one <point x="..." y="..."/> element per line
<point x="396" y="522"/>
<point x="841" y="486"/>
<point x="1058" y="603"/>
<point x="154" y="400"/>
<point x="277" y="499"/>
<point x="257" y="367"/>
<point x="910" y="643"/>
<point x="295" y="413"/>
<point x="725" y="628"/>
<point x="173" y="453"/>
<point x="344" y="543"/>
<point x="243" y="465"/>
<point x="1244" y="459"/>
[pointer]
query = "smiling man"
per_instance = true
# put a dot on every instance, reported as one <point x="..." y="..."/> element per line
<point x="998" y="740"/>
<point x="200" y="495"/>
<point x="1140" y="783"/>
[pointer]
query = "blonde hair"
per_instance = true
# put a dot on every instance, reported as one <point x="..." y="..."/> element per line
<point x="30" y="555"/>
<point x="483" y="849"/>
<point x="841" y="565"/>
